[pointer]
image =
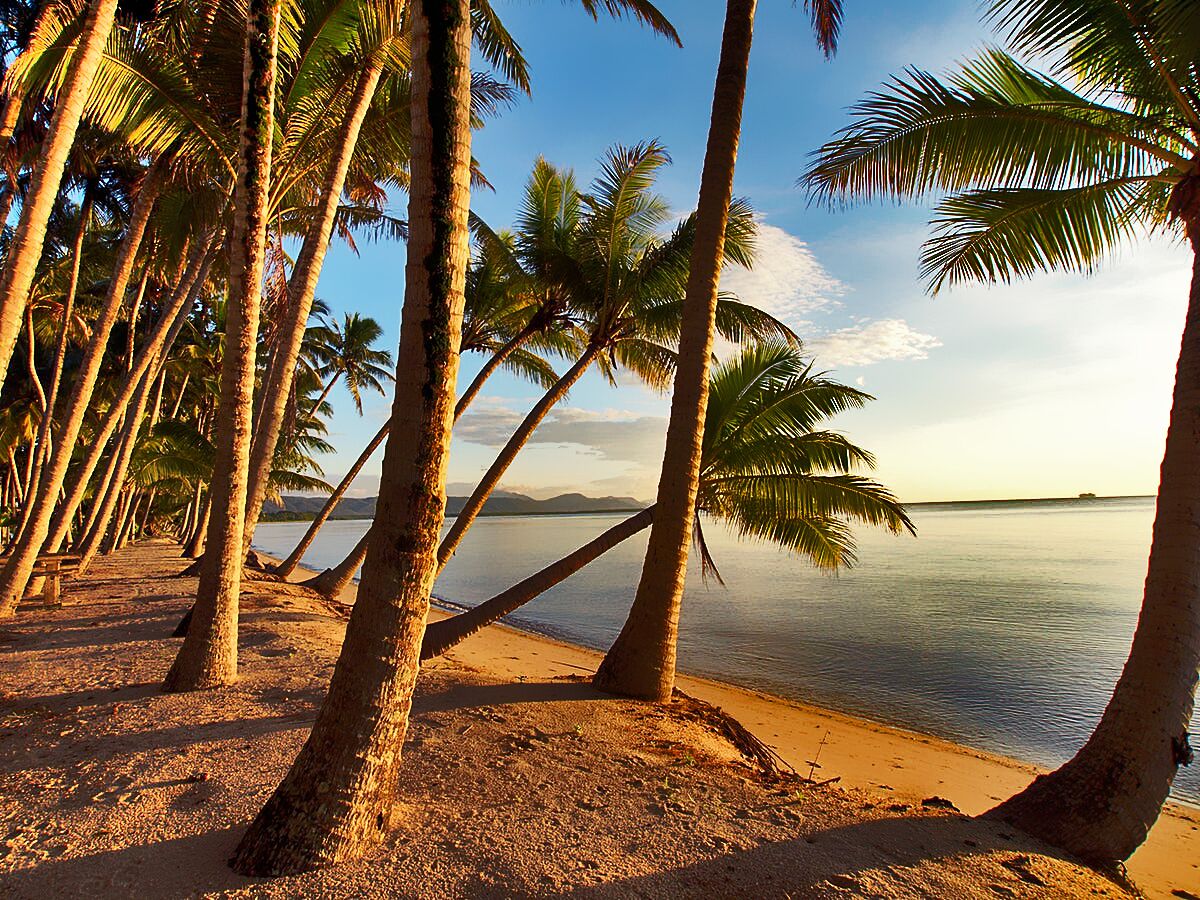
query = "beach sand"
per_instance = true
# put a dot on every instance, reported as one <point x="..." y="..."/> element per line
<point x="517" y="782"/>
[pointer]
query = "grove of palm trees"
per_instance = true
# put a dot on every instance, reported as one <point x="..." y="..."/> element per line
<point x="249" y="245"/>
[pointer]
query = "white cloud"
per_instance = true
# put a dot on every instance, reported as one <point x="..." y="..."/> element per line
<point x="872" y="342"/>
<point x="787" y="279"/>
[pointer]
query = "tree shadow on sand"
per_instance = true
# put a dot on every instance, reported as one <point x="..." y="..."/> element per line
<point x="850" y="860"/>
<point x="467" y="696"/>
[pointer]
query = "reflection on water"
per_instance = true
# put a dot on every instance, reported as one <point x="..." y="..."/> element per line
<point x="1003" y="626"/>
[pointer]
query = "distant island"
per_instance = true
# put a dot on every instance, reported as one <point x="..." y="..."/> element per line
<point x="296" y="508"/>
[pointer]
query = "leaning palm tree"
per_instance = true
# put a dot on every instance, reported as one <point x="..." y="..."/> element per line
<point x="208" y="657"/>
<point x="20" y="265"/>
<point x="1052" y="172"/>
<point x="768" y="467"/>
<point x="642" y="661"/>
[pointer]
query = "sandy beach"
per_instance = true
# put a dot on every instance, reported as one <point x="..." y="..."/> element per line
<point x="521" y="782"/>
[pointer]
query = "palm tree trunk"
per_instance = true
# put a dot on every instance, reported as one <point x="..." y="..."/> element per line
<point x="641" y="663"/>
<point x="302" y="287"/>
<point x="1101" y="804"/>
<point x="476" y="385"/>
<point x="466" y="517"/>
<point x="332" y="582"/>
<point x="60" y="351"/>
<point x="106" y="503"/>
<point x="354" y="749"/>
<point x="20" y="565"/>
<point x="26" y="248"/>
<point x="156" y="349"/>
<point x="442" y="636"/>
<point x="101" y="491"/>
<point x="288" y="566"/>
<point x="144" y="519"/>
<point x="195" y="546"/>
<point x="208" y="657"/>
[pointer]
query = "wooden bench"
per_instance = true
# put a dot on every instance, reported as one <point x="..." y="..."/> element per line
<point x="54" y="567"/>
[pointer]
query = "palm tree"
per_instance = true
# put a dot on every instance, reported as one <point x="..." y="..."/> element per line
<point x="208" y="657"/>
<point x="600" y="257"/>
<point x="21" y="263"/>
<point x="642" y="661"/>
<point x="765" y="468"/>
<point x="346" y="352"/>
<point x="1047" y="172"/>
<point x="380" y="45"/>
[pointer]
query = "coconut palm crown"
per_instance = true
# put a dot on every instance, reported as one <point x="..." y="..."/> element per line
<point x="1036" y="171"/>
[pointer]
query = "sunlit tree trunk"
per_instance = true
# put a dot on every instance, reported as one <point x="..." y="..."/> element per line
<point x="474" y="505"/>
<point x="353" y="752"/>
<point x="447" y="633"/>
<point x="195" y="546"/>
<point x="302" y="287"/>
<point x="641" y="663"/>
<point x="208" y="657"/>
<point x="159" y="342"/>
<point x="16" y="573"/>
<point x="107" y="502"/>
<point x="25" y="250"/>
<point x="60" y="350"/>
<point x="1101" y="804"/>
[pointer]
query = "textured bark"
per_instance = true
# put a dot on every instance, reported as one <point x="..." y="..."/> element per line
<point x="1101" y="804"/>
<point x="60" y="351"/>
<point x="16" y="573"/>
<point x="447" y="633"/>
<point x="288" y="566"/>
<point x="195" y="547"/>
<point x="332" y="582"/>
<point x="641" y="663"/>
<point x="302" y="287"/>
<point x="353" y="753"/>
<point x="474" y="505"/>
<point x="157" y="347"/>
<point x="208" y="657"/>
<point x="26" y="248"/>
<point x="107" y="501"/>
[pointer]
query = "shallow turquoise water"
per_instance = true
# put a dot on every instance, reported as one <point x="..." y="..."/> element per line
<point x="1003" y="626"/>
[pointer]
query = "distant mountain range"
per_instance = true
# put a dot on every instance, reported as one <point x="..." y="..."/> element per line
<point x="501" y="503"/>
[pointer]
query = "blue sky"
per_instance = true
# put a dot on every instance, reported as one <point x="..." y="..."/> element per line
<point x="1050" y="387"/>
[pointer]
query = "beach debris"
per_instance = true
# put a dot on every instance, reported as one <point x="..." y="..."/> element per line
<point x="939" y="803"/>
<point x="768" y="761"/>
<point x="1184" y="895"/>
<point x="814" y="763"/>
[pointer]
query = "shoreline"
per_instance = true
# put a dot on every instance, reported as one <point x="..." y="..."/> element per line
<point x="888" y="760"/>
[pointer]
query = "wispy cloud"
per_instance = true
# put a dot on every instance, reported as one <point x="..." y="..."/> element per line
<point x="787" y="279"/>
<point x="872" y="342"/>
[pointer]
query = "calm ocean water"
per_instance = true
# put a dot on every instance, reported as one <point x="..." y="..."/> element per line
<point x="1003" y="626"/>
